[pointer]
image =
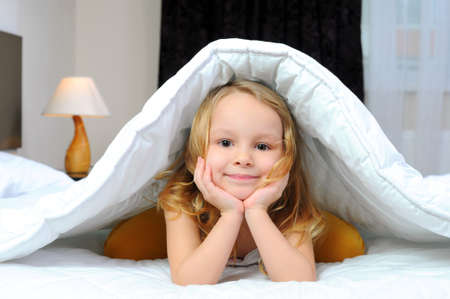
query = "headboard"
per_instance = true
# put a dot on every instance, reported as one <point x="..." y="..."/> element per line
<point x="10" y="91"/>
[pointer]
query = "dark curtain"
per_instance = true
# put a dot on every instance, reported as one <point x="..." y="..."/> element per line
<point x="328" y="31"/>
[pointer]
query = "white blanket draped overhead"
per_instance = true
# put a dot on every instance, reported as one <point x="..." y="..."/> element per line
<point x="356" y="172"/>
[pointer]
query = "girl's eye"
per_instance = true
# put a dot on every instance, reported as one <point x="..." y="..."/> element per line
<point x="262" y="147"/>
<point x="225" y="143"/>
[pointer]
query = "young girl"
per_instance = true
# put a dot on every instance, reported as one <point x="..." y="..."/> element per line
<point x="240" y="185"/>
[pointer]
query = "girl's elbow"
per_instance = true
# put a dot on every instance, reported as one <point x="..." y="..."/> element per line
<point x="185" y="281"/>
<point x="303" y="279"/>
<point x="300" y="277"/>
<point x="179" y="282"/>
<point x="311" y="277"/>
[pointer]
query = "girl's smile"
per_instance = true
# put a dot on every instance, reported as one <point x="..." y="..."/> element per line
<point x="242" y="177"/>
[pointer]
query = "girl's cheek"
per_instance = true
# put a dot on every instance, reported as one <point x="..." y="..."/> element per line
<point x="211" y="161"/>
<point x="214" y="156"/>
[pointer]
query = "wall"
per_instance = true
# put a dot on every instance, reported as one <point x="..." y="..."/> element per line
<point x="47" y="28"/>
<point x="9" y="16"/>
<point x="115" y="42"/>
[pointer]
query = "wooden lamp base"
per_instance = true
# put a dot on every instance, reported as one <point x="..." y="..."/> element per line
<point x="78" y="156"/>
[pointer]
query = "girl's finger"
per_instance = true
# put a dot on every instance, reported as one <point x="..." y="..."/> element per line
<point x="197" y="170"/>
<point x="198" y="175"/>
<point x="285" y="180"/>
<point x="282" y="184"/>
<point x="207" y="179"/>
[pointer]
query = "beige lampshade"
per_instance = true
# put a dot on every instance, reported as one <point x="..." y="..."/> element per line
<point x="76" y="96"/>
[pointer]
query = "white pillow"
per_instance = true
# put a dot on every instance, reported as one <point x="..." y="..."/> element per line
<point x="19" y="176"/>
<point x="356" y="171"/>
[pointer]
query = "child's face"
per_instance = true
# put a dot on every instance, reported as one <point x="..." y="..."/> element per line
<point x="245" y="142"/>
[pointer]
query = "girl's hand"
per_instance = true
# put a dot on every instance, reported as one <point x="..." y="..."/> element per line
<point x="213" y="194"/>
<point x="262" y="198"/>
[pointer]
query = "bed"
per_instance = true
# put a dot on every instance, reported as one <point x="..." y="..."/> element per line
<point x="52" y="229"/>
<point x="75" y="268"/>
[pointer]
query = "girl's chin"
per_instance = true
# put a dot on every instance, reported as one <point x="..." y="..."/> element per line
<point x="241" y="194"/>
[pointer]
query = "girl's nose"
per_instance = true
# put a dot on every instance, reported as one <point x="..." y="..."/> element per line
<point x="243" y="159"/>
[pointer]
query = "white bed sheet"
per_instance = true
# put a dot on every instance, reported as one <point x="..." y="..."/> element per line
<point x="75" y="268"/>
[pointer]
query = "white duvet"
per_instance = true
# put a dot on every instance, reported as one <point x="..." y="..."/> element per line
<point x="357" y="174"/>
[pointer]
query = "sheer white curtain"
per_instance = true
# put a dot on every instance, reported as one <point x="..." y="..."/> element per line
<point x="406" y="48"/>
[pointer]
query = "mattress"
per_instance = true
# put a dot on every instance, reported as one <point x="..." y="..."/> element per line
<point x="75" y="268"/>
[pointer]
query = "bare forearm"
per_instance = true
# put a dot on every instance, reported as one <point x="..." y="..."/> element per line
<point x="207" y="262"/>
<point x="283" y="262"/>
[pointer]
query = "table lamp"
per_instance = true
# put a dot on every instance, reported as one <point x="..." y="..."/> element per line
<point x="75" y="97"/>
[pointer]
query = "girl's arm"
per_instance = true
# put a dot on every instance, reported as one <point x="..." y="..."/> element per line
<point x="195" y="262"/>
<point x="283" y="259"/>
